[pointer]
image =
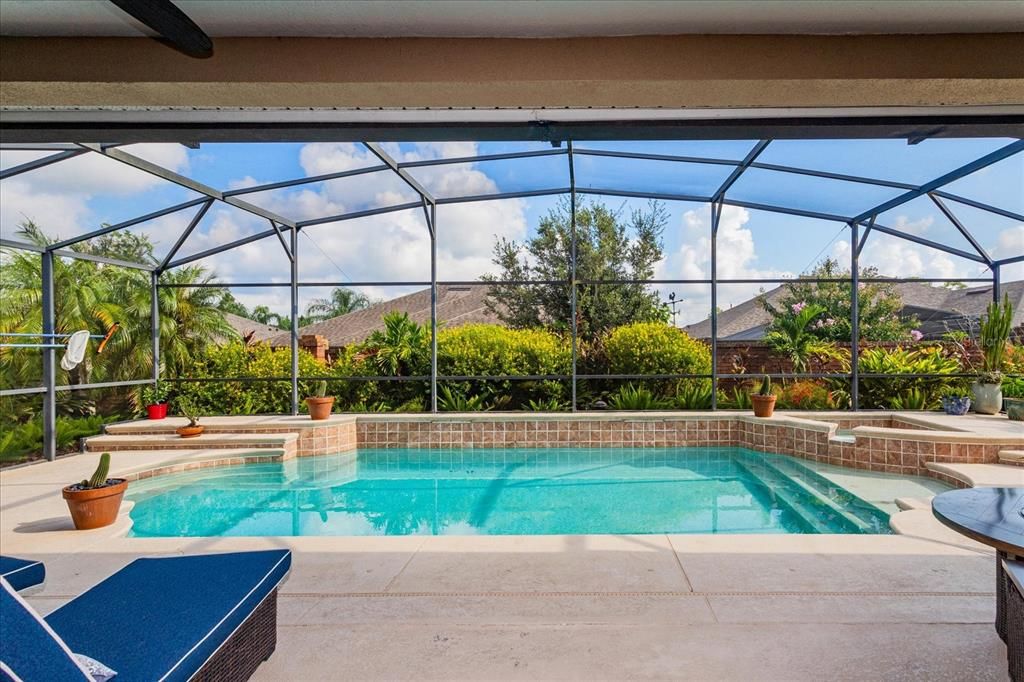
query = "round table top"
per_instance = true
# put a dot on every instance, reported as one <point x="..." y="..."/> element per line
<point x="991" y="516"/>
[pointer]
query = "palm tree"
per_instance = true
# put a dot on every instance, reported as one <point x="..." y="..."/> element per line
<point x="402" y="348"/>
<point x="792" y="337"/>
<point x="340" y="302"/>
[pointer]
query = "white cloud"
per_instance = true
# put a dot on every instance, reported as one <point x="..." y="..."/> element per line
<point x="895" y="257"/>
<point x="57" y="196"/>
<point x="1009" y="244"/>
<point x="737" y="259"/>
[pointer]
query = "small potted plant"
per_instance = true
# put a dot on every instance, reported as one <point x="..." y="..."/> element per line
<point x="190" y="412"/>
<point x="957" y="405"/>
<point x="993" y="336"/>
<point x="320" y="404"/>
<point x="155" y="399"/>
<point x="764" y="399"/>
<point x="94" y="503"/>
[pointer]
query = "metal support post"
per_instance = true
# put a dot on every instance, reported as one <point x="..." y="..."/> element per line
<point x="855" y="317"/>
<point x="716" y="215"/>
<point x="572" y="271"/>
<point x="996" y="283"/>
<point x="154" y="322"/>
<point x="49" y="361"/>
<point x="295" y="319"/>
<point x="433" y="307"/>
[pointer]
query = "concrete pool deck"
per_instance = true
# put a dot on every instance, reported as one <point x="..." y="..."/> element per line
<point x="914" y="606"/>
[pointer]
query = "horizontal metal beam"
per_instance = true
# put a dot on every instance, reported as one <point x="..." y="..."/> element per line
<point x="305" y="181"/>
<point x="663" y="196"/>
<point x="39" y="163"/>
<point x="979" y="205"/>
<point x="653" y="157"/>
<point x="787" y="211"/>
<point x="179" y="179"/>
<point x="222" y="248"/>
<point x="481" y="158"/>
<point x="945" y="179"/>
<point x="794" y="170"/>
<point x="359" y="214"/>
<point x="503" y="195"/>
<point x="929" y="243"/>
<point x="1010" y="260"/>
<point x="127" y="223"/>
<point x="21" y="246"/>
<point x="22" y="391"/>
<point x="81" y="255"/>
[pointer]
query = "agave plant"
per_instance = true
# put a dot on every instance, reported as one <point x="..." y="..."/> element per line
<point x="634" y="398"/>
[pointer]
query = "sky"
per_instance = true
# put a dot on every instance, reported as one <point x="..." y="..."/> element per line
<point x="76" y="196"/>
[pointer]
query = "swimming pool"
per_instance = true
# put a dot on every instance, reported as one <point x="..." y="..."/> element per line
<point x="502" y="491"/>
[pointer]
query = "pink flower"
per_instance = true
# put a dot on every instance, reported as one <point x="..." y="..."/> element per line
<point x="915" y="335"/>
<point x="797" y="307"/>
<point x="829" y="322"/>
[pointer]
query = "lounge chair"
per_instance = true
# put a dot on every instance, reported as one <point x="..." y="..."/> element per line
<point x="203" y="617"/>
<point x="22" y="573"/>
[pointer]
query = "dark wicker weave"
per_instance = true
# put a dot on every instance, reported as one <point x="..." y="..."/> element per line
<point x="1002" y="581"/>
<point x="1015" y="631"/>
<point x="251" y="644"/>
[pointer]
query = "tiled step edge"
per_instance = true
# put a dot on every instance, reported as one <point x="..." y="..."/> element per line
<point x="115" y="443"/>
<point x="233" y="458"/>
<point x="978" y="475"/>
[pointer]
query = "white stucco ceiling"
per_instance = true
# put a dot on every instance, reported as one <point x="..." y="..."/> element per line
<point x="524" y="18"/>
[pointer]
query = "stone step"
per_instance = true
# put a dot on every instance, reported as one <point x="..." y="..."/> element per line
<point x="171" y="441"/>
<point x="258" y="424"/>
<point x="1012" y="457"/>
<point x="909" y="503"/>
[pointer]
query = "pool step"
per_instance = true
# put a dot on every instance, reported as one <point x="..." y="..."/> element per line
<point x="171" y="441"/>
<point x="822" y="491"/>
<point x="775" y="483"/>
<point x="1012" y="457"/>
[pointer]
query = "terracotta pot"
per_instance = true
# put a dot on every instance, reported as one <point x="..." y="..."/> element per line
<point x="158" y="411"/>
<point x="95" y="507"/>
<point x="319" y="408"/>
<point x="764" y="405"/>
<point x="189" y="431"/>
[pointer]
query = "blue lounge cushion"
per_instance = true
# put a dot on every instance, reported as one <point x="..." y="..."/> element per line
<point x="22" y="573"/>
<point x="162" y="619"/>
<point x="29" y="648"/>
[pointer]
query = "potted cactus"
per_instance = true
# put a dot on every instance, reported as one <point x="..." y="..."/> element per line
<point x="155" y="399"/>
<point x="190" y="412"/>
<point x="993" y="336"/>
<point x="94" y="503"/>
<point x="764" y="399"/>
<point x="320" y="404"/>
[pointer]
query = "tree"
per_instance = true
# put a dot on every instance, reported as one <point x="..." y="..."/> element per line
<point x="880" y="308"/>
<point x="608" y="247"/>
<point x="340" y="302"/>
<point x="402" y="348"/>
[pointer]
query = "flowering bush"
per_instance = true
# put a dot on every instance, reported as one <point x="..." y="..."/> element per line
<point x="806" y="395"/>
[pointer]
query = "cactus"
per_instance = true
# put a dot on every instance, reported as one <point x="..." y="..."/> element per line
<point x="99" y="477"/>
<point x="321" y="389"/>
<point x="766" y="386"/>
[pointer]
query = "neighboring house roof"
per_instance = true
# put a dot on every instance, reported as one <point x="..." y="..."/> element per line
<point x="246" y="327"/>
<point x="456" y="305"/>
<point x="939" y="309"/>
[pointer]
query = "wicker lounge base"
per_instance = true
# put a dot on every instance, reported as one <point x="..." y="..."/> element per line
<point x="1015" y="622"/>
<point x="251" y="644"/>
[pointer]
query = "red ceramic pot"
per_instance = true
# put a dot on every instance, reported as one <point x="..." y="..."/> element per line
<point x="158" y="411"/>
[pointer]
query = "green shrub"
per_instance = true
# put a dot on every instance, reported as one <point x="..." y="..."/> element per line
<point x="693" y="394"/>
<point x="634" y="398"/>
<point x="891" y="392"/>
<point x="495" y="351"/>
<point x="25" y="440"/>
<point x="651" y="348"/>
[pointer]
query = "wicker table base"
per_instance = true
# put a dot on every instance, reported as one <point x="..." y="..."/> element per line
<point x="1014" y="625"/>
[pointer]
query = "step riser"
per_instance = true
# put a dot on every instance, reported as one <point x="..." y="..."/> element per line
<point x="184" y="444"/>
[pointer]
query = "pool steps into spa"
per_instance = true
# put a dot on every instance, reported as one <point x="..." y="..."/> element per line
<point x="814" y="490"/>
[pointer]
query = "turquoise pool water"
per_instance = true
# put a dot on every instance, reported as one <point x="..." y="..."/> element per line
<point x="504" y="491"/>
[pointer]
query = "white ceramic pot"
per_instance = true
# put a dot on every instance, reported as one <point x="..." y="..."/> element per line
<point x="988" y="398"/>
